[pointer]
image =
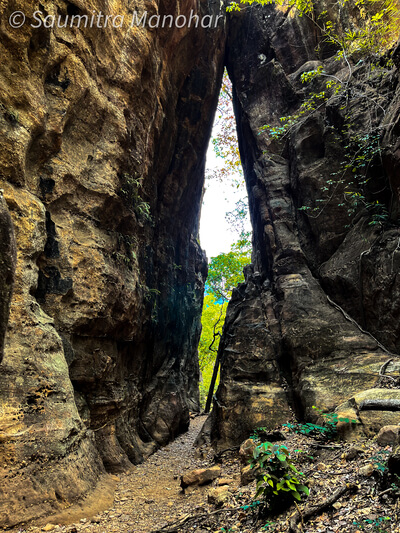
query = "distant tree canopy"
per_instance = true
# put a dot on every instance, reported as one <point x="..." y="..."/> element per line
<point x="225" y="141"/>
<point x="212" y="320"/>
<point x="226" y="271"/>
<point x="224" y="274"/>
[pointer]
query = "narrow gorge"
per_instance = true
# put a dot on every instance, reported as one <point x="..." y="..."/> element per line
<point x="104" y="132"/>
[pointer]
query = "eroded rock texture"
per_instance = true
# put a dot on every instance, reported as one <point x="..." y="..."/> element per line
<point x="296" y="331"/>
<point x="103" y="136"/>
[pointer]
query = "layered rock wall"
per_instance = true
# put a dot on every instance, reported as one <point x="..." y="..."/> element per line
<point x="103" y="137"/>
<point x="323" y="278"/>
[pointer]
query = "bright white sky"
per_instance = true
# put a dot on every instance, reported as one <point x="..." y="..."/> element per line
<point x="219" y="198"/>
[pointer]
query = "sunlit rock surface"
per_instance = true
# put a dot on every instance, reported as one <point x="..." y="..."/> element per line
<point x="103" y="138"/>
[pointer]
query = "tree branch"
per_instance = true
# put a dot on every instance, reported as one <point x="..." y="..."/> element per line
<point x="313" y="510"/>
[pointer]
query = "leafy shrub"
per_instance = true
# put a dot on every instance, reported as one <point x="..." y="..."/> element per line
<point x="380" y="461"/>
<point x="377" y="524"/>
<point x="258" y="433"/>
<point x="303" y="456"/>
<point x="278" y="480"/>
<point x="327" y="431"/>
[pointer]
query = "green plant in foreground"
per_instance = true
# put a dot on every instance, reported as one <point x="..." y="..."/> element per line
<point x="278" y="480"/>
<point x="396" y="484"/>
<point x="303" y="455"/>
<point x="268" y="526"/>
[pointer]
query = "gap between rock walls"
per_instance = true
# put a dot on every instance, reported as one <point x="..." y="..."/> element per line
<point x="102" y="171"/>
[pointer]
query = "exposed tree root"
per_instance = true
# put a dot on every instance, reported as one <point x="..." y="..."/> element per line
<point x="313" y="510"/>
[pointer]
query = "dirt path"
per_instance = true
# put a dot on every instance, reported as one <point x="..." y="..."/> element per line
<point x="148" y="496"/>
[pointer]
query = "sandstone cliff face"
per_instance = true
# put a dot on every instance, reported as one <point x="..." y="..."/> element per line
<point x="103" y="136"/>
<point x="296" y="333"/>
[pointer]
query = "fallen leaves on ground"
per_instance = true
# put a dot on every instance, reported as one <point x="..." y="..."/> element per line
<point x="149" y="497"/>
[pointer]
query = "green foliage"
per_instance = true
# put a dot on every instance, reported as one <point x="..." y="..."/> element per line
<point x="125" y="254"/>
<point x="362" y="154"/>
<point x="278" y="480"/>
<point x="362" y="151"/>
<point x="326" y="431"/>
<point x="395" y="485"/>
<point x="225" y="272"/>
<point x="312" y="430"/>
<point x="303" y="6"/>
<point x="130" y="192"/>
<point x="377" y="27"/>
<point x="257" y="434"/>
<point x="304" y="456"/>
<point x="212" y="320"/>
<point x="380" y="460"/>
<point x="268" y="526"/>
<point x="314" y="101"/>
<point x="371" y="28"/>
<point x="237" y="218"/>
<point x="224" y="139"/>
<point x="374" y="524"/>
<point x="252" y="505"/>
<point x="311" y="104"/>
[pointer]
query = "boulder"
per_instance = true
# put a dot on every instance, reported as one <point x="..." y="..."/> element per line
<point x="352" y="453"/>
<point x="372" y="409"/>
<point x="225" y="481"/>
<point x="388" y="436"/>
<point x="219" y="495"/>
<point x="367" y="470"/>
<point x="246" y="450"/>
<point x="200" y="476"/>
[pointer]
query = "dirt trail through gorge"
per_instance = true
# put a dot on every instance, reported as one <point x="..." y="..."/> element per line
<point x="348" y="493"/>
<point x="146" y="497"/>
